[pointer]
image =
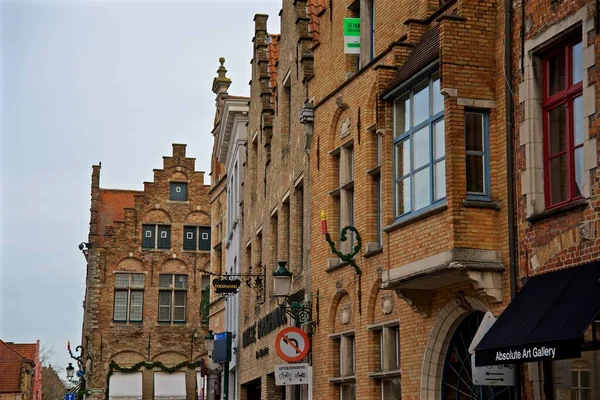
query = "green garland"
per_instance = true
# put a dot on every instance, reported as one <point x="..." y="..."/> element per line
<point x="346" y="257"/>
<point x="113" y="366"/>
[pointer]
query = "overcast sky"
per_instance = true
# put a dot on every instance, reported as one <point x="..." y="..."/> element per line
<point x="88" y="81"/>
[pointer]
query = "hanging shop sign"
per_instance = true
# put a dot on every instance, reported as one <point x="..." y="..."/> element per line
<point x="493" y="375"/>
<point x="352" y="35"/>
<point x="226" y="286"/>
<point x="292" y="344"/>
<point x="292" y="374"/>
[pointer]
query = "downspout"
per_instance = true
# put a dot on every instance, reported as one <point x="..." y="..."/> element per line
<point x="510" y="163"/>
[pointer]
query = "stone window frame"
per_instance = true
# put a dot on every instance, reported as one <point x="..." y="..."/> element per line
<point x="531" y="133"/>
<point x="173" y="289"/>
<point x="343" y="374"/>
<point x="129" y="289"/>
<point x="343" y="195"/>
<point x="484" y="195"/>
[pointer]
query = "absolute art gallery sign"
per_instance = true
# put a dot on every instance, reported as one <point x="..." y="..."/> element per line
<point x="528" y="353"/>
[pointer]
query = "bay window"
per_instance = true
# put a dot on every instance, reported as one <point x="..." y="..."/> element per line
<point x="419" y="147"/>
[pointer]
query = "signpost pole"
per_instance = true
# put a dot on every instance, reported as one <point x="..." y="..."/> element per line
<point x="226" y="380"/>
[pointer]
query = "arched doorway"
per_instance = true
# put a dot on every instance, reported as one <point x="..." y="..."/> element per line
<point x="457" y="382"/>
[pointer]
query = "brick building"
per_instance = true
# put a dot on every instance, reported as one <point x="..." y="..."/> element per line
<point x="145" y="255"/>
<point x="275" y="196"/>
<point x="552" y="328"/>
<point x="409" y="147"/>
<point x="226" y="197"/>
<point x="20" y="371"/>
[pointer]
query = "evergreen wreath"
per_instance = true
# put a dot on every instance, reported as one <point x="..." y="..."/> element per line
<point x="346" y="257"/>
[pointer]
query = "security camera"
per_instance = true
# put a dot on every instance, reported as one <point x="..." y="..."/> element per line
<point x="81" y="246"/>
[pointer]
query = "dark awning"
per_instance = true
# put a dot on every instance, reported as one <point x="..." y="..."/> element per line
<point x="546" y="320"/>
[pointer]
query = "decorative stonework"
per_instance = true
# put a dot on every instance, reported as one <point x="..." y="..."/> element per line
<point x="345" y="128"/>
<point x="387" y="304"/>
<point x="345" y="314"/>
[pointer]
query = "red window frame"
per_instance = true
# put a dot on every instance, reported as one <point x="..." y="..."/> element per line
<point x="562" y="97"/>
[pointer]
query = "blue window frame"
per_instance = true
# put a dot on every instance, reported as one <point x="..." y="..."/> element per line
<point x="477" y="163"/>
<point x="419" y="147"/>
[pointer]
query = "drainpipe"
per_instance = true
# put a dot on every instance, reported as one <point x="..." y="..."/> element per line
<point x="510" y="165"/>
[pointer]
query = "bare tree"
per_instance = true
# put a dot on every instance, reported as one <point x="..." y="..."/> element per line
<point x="53" y="388"/>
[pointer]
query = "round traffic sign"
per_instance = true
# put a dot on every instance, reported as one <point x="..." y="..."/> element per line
<point x="292" y="344"/>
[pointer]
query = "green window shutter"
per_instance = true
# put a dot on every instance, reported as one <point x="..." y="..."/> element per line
<point x="148" y="236"/>
<point x="178" y="191"/>
<point x="204" y="238"/>
<point x="189" y="237"/>
<point x="164" y="237"/>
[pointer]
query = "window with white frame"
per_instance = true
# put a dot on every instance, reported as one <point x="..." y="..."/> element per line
<point x="344" y="193"/>
<point x="129" y="297"/>
<point x="419" y="147"/>
<point x="172" y="297"/>
<point x="156" y="237"/>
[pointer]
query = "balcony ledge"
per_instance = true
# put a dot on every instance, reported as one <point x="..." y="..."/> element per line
<point x="416" y="282"/>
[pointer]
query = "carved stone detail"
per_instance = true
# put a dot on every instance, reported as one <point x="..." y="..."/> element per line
<point x="345" y="313"/>
<point x="387" y="304"/>
<point x="487" y="283"/>
<point x="418" y="300"/>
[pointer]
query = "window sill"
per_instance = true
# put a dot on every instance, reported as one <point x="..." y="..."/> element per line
<point x="393" y="373"/>
<point x="416" y="216"/>
<point x="154" y="250"/>
<point x="194" y="251"/>
<point x="167" y="324"/>
<point x="376" y="171"/>
<point x="335" y="264"/>
<point x="372" y="250"/>
<point x="577" y="204"/>
<point x="479" y="203"/>
<point x="178" y="201"/>
<point x="342" y="379"/>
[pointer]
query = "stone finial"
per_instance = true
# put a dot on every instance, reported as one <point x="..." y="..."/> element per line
<point x="221" y="83"/>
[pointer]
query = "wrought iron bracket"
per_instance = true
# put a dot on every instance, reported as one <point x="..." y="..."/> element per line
<point x="255" y="281"/>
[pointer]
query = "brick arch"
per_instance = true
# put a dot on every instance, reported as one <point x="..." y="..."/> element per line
<point x="127" y="357"/>
<point x="156" y="215"/>
<point x="372" y="300"/>
<point x="333" y="307"/>
<point x="437" y="344"/>
<point x="173" y="265"/>
<point x="198" y="217"/>
<point x="130" y="264"/>
<point x="335" y="120"/>
<point x="371" y="108"/>
<point x="170" y="357"/>
<point x="179" y="176"/>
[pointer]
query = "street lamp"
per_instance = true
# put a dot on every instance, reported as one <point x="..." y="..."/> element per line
<point x="282" y="285"/>
<point x="70" y="372"/>
<point x="209" y="343"/>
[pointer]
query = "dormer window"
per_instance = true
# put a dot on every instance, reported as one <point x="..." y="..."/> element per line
<point x="178" y="191"/>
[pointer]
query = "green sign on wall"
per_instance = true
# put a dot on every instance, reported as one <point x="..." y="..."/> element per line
<point x="352" y="35"/>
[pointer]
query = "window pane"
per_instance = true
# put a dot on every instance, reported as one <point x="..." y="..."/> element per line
<point x="121" y="281"/>
<point x="120" y="311"/>
<point x="390" y="389"/>
<point x="164" y="306"/>
<point x="181" y="281"/>
<point x="475" y="176"/>
<point x="402" y="114"/>
<point x="137" y="301"/>
<point x="421" y="147"/>
<point x="422" y="189"/>
<point x="578" y="120"/>
<point x="558" y="179"/>
<point x="403" y="196"/>
<point x="402" y="159"/>
<point x="165" y="281"/>
<point x="347" y="392"/>
<point x="474" y="131"/>
<point x="137" y="280"/>
<point x="574" y="379"/>
<point x="179" y="309"/>
<point x="556" y="73"/>
<point x="439" y="140"/>
<point x="577" y="63"/>
<point x="440" y="179"/>
<point x="557" y="129"/>
<point x="438" y="98"/>
<point x="584" y="379"/>
<point x="579" y="175"/>
<point x="421" y="103"/>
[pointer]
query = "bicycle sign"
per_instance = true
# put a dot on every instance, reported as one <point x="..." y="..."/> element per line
<point x="292" y="344"/>
<point x="292" y="374"/>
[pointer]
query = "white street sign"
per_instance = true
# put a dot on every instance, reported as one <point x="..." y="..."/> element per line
<point x="493" y="375"/>
<point x="292" y="374"/>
